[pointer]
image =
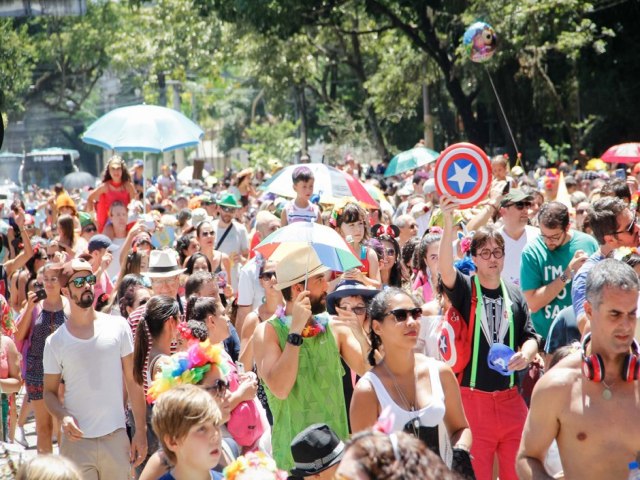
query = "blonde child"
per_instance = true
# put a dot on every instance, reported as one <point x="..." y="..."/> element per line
<point x="186" y="420"/>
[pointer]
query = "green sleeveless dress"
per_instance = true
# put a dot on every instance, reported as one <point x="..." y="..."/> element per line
<point x="316" y="397"/>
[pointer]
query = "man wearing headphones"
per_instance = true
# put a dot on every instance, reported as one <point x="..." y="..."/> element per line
<point x="589" y="401"/>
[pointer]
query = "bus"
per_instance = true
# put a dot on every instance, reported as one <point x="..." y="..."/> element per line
<point x="47" y="167"/>
<point x="10" y="164"/>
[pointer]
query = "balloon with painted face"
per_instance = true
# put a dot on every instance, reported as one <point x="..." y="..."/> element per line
<point x="480" y="42"/>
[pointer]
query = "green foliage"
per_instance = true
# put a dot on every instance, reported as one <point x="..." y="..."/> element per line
<point x="271" y="139"/>
<point x="17" y="60"/>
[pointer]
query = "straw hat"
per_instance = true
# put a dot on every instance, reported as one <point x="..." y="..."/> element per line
<point x="298" y="265"/>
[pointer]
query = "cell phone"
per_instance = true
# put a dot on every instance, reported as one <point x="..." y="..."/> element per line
<point x="621" y="173"/>
<point x="41" y="294"/>
<point x="222" y="280"/>
<point x="240" y="368"/>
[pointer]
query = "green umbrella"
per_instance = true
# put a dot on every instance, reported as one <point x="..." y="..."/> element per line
<point x="410" y="160"/>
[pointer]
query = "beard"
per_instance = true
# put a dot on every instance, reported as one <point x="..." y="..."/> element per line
<point x="318" y="304"/>
<point x="85" y="300"/>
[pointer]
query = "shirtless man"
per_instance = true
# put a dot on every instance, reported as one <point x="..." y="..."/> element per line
<point x="593" y="422"/>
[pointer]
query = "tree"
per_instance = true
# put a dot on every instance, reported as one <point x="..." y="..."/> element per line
<point x="17" y="61"/>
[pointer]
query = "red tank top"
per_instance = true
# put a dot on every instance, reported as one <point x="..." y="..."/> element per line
<point x="105" y="201"/>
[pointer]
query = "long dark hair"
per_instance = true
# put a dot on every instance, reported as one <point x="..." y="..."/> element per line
<point x="192" y="260"/>
<point x="378" y="309"/>
<point x="182" y="244"/>
<point x="395" y="275"/>
<point x="160" y="309"/>
<point x="106" y="176"/>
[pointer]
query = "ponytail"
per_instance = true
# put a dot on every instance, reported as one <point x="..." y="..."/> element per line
<point x="141" y="349"/>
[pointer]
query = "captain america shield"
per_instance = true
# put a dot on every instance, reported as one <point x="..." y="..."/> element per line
<point x="463" y="171"/>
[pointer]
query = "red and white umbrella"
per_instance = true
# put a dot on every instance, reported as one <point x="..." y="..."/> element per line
<point x="330" y="183"/>
<point x="623" y="153"/>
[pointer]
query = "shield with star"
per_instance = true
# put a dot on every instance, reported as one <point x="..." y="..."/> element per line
<point x="463" y="171"/>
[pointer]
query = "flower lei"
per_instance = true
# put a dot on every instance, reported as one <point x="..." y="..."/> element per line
<point x="187" y="367"/>
<point x="185" y="332"/>
<point x="312" y="330"/>
<point x="622" y="252"/>
<point x="255" y="463"/>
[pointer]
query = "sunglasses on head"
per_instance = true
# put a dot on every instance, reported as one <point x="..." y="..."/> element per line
<point x="219" y="388"/>
<point x="79" y="282"/>
<point x="401" y="314"/>
<point x="267" y="275"/>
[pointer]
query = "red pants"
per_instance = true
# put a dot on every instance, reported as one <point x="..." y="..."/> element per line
<point x="496" y="420"/>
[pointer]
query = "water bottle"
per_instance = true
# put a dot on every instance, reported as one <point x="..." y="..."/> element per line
<point x="634" y="471"/>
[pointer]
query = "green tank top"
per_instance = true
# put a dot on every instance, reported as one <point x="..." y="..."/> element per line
<point x="316" y="397"/>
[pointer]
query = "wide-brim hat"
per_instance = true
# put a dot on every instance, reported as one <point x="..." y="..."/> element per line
<point x="315" y="449"/>
<point x="298" y="265"/>
<point x="349" y="288"/>
<point x="228" y="200"/>
<point x="162" y="264"/>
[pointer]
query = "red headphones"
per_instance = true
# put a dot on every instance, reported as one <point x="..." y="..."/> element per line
<point x="593" y="366"/>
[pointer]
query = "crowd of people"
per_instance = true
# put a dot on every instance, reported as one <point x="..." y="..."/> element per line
<point x="154" y="341"/>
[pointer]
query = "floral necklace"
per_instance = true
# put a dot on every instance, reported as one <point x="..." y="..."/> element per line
<point x="318" y="326"/>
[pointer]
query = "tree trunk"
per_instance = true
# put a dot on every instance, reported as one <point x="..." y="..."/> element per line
<point x="302" y="109"/>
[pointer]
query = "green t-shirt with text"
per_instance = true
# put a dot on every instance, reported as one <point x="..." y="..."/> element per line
<point x="541" y="266"/>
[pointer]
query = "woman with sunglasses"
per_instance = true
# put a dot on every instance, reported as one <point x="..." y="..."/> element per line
<point x="421" y="392"/>
<point x="390" y="268"/>
<point x="206" y="236"/>
<point x="44" y="313"/>
<point x="206" y="367"/>
<point x="116" y="186"/>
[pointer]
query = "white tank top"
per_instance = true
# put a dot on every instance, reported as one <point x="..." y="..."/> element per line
<point x="430" y="416"/>
<point x="297" y="214"/>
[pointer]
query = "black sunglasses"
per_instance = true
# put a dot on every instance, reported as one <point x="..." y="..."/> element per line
<point x="207" y="234"/>
<point x="219" y="388"/>
<point x="227" y="209"/>
<point x="402" y="314"/>
<point x="89" y="229"/>
<point x="521" y="205"/>
<point x="267" y="275"/>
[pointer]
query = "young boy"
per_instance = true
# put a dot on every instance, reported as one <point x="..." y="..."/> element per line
<point x="187" y="422"/>
<point x="301" y="209"/>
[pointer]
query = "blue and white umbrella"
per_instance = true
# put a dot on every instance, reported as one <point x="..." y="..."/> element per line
<point x="143" y="128"/>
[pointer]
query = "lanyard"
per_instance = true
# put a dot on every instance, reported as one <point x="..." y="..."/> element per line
<point x="476" y="335"/>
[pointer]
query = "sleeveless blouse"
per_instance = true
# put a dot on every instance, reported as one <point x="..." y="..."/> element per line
<point x="430" y="415"/>
<point x="105" y="201"/>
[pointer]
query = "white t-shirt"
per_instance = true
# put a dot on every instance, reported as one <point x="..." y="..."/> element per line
<point x="236" y="240"/>
<point x="513" y="252"/>
<point x="250" y="292"/>
<point x="92" y="372"/>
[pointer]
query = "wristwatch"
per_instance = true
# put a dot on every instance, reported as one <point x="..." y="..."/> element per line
<point x="566" y="278"/>
<point x="294" y="339"/>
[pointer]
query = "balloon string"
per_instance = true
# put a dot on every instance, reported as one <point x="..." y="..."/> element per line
<point x="504" y="115"/>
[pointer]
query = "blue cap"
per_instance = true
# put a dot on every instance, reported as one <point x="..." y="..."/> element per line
<point x="101" y="241"/>
<point x="498" y="358"/>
